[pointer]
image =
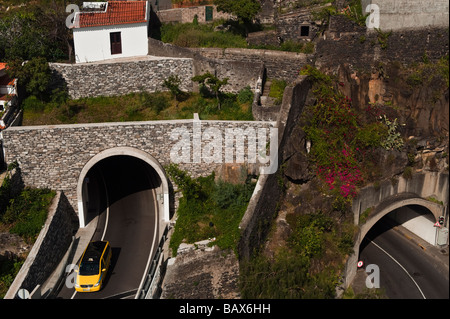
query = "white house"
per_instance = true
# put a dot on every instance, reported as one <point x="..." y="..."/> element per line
<point x="108" y="30"/>
<point x="8" y="88"/>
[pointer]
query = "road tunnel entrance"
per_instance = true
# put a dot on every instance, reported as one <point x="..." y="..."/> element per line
<point x="117" y="173"/>
<point x="416" y="219"/>
<point x="114" y="178"/>
<point x="415" y="213"/>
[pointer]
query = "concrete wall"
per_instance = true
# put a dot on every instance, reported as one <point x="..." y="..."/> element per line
<point x="419" y="224"/>
<point x="49" y="248"/>
<point x="411" y="14"/>
<point x="54" y="156"/>
<point x="422" y="185"/>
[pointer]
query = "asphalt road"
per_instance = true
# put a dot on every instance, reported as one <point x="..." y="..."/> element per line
<point x="406" y="270"/>
<point x="128" y="220"/>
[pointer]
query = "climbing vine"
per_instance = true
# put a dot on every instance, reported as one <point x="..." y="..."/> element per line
<point x="341" y="140"/>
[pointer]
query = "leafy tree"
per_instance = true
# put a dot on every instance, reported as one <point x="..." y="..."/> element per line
<point x="35" y="30"/>
<point x="34" y="76"/>
<point x="213" y="83"/>
<point x="245" y="10"/>
<point x="173" y="85"/>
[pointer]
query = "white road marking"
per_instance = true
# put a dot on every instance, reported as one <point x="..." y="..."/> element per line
<point x="107" y="217"/>
<point x="420" y="290"/>
<point x="150" y="257"/>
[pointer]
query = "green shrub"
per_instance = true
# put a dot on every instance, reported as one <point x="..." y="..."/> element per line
<point x="277" y="90"/>
<point x="208" y="209"/>
<point x="28" y="211"/>
<point x="287" y="276"/>
<point x="32" y="103"/>
<point x="200" y="35"/>
<point x="155" y="101"/>
<point x="245" y="95"/>
<point x="9" y="268"/>
<point x="308" y="267"/>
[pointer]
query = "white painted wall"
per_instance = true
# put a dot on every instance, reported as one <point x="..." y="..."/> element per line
<point x="410" y="14"/>
<point x="93" y="43"/>
<point x="421" y="225"/>
<point x="8" y="89"/>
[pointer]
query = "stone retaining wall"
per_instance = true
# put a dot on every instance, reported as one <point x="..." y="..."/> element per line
<point x="262" y="207"/>
<point x="279" y="64"/>
<point x="122" y="77"/>
<point x="50" y="246"/>
<point x="147" y="73"/>
<point x="54" y="156"/>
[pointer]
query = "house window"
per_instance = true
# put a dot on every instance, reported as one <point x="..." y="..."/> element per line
<point x="304" y="31"/>
<point x="116" y="42"/>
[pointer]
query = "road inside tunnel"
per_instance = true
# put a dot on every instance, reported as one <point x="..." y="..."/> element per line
<point x="406" y="270"/>
<point x="121" y="191"/>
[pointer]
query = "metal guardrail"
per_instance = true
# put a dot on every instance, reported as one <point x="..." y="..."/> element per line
<point x="152" y="278"/>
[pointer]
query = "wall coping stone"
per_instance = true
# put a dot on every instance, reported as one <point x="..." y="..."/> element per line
<point x="136" y="123"/>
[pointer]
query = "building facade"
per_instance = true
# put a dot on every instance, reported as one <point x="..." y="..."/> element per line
<point x="110" y="30"/>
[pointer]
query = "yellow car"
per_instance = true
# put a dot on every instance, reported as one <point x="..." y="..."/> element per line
<point x="93" y="266"/>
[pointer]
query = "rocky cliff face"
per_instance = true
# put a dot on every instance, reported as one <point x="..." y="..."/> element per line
<point x="417" y="96"/>
<point x="403" y="75"/>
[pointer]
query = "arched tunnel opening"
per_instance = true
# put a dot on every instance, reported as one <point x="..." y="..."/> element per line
<point x="416" y="219"/>
<point x="113" y="179"/>
<point x="120" y="195"/>
<point x="399" y="255"/>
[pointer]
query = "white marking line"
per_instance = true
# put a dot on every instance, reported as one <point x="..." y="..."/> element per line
<point x="125" y="293"/>
<point x="376" y="245"/>
<point x="107" y="206"/>
<point x="74" y="293"/>
<point x="153" y="245"/>
<point x="106" y="221"/>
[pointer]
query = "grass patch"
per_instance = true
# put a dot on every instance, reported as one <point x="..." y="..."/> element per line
<point x="277" y="90"/>
<point x="192" y="35"/>
<point x="24" y="215"/>
<point x="307" y="267"/>
<point x="208" y="209"/>
<point x="8" y="271"/>
<point x="428" y="73"/>
<point x="140" y="106"/>
<point x="27" y="213"/>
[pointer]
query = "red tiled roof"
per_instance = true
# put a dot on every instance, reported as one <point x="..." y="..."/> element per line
<point x="5" y="97"/>
<point x="117" y="12"/>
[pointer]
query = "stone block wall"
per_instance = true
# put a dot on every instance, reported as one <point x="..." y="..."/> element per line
<point x="262" y="208"/>
<point x="54" y="156"/>
<point x="240" y="73"/>
<point x="186" y="15"/>
<point x="347" y="43"/>
<point x="121" y="77"/>
<point x="289" y="26"/>
<point x="49" y="248"/>
<point x="279" y="64"/>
